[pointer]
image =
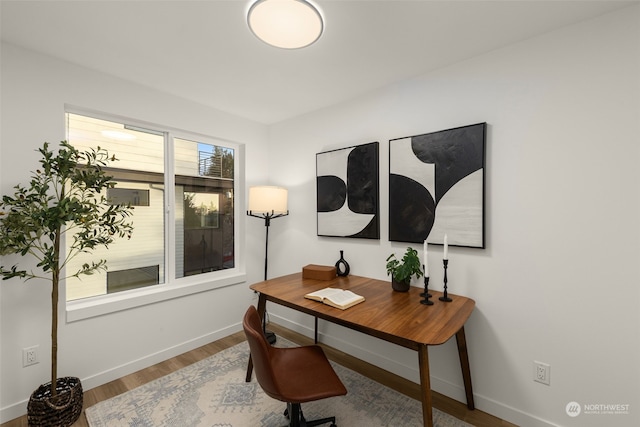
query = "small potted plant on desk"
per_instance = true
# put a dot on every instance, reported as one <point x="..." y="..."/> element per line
<point x="66" y="196"/>
<point x="401" y="271"/>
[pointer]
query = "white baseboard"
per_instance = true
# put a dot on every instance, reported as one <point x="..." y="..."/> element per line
<point x="19" y="409"/>
<point x="14" y="411"/>
<point x="439" y="385"/>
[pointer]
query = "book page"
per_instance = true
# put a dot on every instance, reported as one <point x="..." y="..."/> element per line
<point x="335" y="297"/>
<point x="343" y="298"/>
<point x="323" y="293"/>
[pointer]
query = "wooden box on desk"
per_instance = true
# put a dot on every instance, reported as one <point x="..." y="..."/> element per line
<point x="318" y="272"/>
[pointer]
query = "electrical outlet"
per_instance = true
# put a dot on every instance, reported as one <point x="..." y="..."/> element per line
<point x="542" y="372"/>
<point x="30" y="356"/>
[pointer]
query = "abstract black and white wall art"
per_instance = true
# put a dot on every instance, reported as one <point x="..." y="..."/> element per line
<point x="347" y="183"/>
<point x="436" y="187"/>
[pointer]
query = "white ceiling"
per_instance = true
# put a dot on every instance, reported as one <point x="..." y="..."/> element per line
<point x="204" y="51"/>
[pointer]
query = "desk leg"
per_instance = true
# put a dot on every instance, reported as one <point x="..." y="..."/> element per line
<point x="262" y="305"/>
<point x="249" y="370"/>
<point x="425" y="385"/>
<point x="315" y="339"/>
<point x="464" y="364"/>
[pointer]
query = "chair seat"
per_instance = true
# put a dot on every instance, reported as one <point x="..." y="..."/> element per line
<point x="293" y="375"/>
<point x="304" y="374"/>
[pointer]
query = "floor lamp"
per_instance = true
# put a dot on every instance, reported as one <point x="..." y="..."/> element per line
<point x="267" y="202"/>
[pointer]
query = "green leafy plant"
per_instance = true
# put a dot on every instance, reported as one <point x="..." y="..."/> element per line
<point x="67" y="195"/>
<point x="403" y="270"/>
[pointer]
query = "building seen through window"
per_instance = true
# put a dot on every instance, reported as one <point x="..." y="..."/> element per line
<point x="199" y="229"/>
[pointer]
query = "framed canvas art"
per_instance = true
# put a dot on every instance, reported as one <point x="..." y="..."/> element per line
<point x="436" y="187"/>
<point x="347" y="185"/>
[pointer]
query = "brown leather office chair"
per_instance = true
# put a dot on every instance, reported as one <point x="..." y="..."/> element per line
<point x="293" y="375"/>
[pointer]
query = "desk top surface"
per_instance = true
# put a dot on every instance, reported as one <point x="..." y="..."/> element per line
<point x="397" y="317"/>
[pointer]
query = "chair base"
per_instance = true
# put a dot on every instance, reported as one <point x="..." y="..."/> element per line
<point x="296" y="418"/>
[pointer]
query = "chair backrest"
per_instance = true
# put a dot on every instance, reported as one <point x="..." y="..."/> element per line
<point x="260" y="353"/>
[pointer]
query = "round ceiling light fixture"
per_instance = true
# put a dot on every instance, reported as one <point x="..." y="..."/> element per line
<point x="287" y="24"/>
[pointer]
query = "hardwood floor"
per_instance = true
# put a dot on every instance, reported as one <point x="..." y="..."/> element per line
<point x="106" y="391"/>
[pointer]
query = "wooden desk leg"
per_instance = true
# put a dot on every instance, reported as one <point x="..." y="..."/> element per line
<point x="425" y="385"/>
<point x="464" y="364"/>
<point x="262" y="305"/>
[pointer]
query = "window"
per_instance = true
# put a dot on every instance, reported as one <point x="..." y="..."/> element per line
<point x="204" y="183"/>
<point x="179" y="234"/>
<point x="121" y="196"/>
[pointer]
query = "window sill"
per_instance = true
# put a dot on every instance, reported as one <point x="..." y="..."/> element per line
<point x="106" y="304"/>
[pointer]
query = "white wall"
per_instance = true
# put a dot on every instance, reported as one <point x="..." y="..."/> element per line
<point x="559" y="280"/>
<point x="35" y="89"/>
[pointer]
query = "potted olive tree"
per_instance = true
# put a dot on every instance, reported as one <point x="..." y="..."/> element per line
<point x="65" y="197"/>
<point x="401" y="271"/>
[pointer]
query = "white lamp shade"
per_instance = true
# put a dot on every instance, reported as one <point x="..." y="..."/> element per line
<point x="288" y="24"/>
<point x="268" y="199"/>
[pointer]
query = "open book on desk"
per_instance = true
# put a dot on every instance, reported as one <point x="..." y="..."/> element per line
<point x="338" y="298"/>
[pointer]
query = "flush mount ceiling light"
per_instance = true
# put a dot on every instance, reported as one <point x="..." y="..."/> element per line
<point x="288" y="24"/>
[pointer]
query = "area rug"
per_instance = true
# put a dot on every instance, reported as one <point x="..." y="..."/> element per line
<point x="213" y="393"/>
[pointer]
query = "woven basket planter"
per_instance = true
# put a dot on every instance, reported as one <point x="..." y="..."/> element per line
<point x="62" y="410"/>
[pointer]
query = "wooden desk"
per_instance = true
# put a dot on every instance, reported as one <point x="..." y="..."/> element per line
<point x="397" y="317"/>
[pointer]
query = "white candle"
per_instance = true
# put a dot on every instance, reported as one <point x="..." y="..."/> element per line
<point x="446" y="248"/>
<point x="426" y="260"/>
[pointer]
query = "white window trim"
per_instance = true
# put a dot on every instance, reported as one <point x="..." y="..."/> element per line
<point x="105" y="304"/>
<point x="172" y="288"/>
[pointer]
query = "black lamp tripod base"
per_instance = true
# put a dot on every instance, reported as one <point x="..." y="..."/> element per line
<point x="271" y="337"/>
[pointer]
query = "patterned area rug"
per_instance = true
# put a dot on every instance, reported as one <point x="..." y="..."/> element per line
<point x="213" y="393"/>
